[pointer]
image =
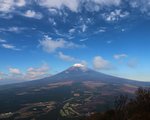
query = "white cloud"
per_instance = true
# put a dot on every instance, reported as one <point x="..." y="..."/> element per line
<point x="120" y="56"/>
<point x="142" y="5"/>
<point x="66" y="57"/>
<point x="31" y="73"/>
<point x="72" y="30"/>
<point x="6" y="5"/>
<point x="53" y="11"/>
<point x="2" y="41"/>
<point x="109" y="41"/>
<point x="54" y="6"/>
<point x="84" y="39"/>
<point x="15" y="29"/>
<point x="84" y="27"/>
<point x="101" y="30"/>
<point x="132" y="63"/>
<point x="59" y="4"/>
<point x="100" y="63"/>
<point x="49" y="45"/>
<point x="20" y="3"/>
<point x="107" y="2"/>
<point x="14" y="74"/>
<point x="12" y="29"/>
<point x="96" y="5"/>
<point x="115" y="15"/>
<point x="37" y="73"/>
<point x="10" y="5"/>
<point x="33" y="14"/>
<point x="9" y="46"/>
<point x="14" y="71"/>
<point x="52" y="21"/>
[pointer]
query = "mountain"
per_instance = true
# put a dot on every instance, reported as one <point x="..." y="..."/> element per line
<point x="79" y="72"/>
<point x="69" y="95"/>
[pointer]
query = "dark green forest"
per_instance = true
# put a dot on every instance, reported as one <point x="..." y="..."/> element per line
<point x="137" y="108"/>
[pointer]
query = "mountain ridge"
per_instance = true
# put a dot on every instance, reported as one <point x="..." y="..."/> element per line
<point x="78" y="73"/>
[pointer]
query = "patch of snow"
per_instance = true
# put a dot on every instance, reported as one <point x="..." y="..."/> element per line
<point x="78" y="65"/>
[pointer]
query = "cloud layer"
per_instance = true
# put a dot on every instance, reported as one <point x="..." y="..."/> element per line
<point x="31" y="73"/>
<point x="71" y="4"/>
<point x="10" y="5"/>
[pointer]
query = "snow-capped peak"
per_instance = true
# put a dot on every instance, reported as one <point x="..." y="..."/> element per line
<point x="78" y="65"/>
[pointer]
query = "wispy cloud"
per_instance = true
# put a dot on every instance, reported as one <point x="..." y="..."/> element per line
<point x="14" y="71"/>
<point x="59" y="4"/>
<point x="2" y="41"/>
<point x="10" y="5"/>
<point x="84" y="39"/>
<point x="32" y="73"/>
<point x="120" y="56"/>
<point x="9" y="46"/>
<point x="66" y="57"/>
<point x="96" y="5"/>
<point x="109" y="41"/>
<point x="33" y="14"/>
<point x="52" y="21"/>
<point x="49" y="45"/>
<point x="55" y="6"/>
<point x="84" y="27"/>
<point x="37" y="73"/>
<point x="107" y="2"/>
<point x="101" y="30"/>
<point x="71" y="31"/>
<point x="142" y="5"/>
<point x="14" y="29"/>
<point x="115" y="15"/>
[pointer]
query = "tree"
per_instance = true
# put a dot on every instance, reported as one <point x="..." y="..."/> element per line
<point x="120" y="107"/>
<point x="125" y="109"/>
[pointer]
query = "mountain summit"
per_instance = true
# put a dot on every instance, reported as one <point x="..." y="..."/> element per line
<point x="78" y="65"/>
<point x="80" y="73"/>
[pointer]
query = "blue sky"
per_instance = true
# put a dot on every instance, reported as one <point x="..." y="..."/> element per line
<point x="39" y="38"/>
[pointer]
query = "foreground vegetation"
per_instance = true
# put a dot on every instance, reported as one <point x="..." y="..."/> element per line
<point x="128" y="109"/>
